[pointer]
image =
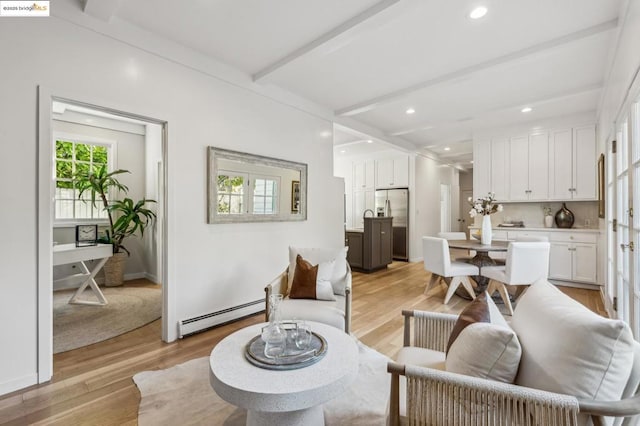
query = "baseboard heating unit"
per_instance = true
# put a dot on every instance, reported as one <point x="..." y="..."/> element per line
<point x="189" y="326"/>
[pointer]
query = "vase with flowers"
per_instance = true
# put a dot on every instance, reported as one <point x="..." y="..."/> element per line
<point x="485" y="206"/>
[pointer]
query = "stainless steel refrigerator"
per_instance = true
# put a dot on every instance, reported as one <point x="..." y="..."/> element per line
<point x="395" y="203"/>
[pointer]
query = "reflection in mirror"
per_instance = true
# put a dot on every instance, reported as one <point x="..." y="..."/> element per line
<point x="251" y="188"/>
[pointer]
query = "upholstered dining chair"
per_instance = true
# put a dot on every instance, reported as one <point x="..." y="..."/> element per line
<point x="526" y="263"/>
<point x="437" y="260"/>
<point x="457" y="254"/>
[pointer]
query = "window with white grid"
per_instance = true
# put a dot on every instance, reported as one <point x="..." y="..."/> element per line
<point x="77" y="155"/>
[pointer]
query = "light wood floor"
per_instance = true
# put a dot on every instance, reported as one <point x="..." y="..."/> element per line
<point x="93" y="385"/>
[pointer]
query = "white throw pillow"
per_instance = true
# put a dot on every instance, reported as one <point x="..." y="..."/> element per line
<point x="486" y="347"/>
<point x="318" y="255"/>
<point x="567" y="348"/>
<point x="324" y="290"/>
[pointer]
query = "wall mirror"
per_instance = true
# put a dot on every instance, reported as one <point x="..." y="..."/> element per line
<point x="251" y="188"/>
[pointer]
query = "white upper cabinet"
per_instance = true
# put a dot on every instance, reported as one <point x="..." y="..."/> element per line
<point x="572" y="160"/>
<point x="584" y="163"/>
<point x="363" y="175"/>
<point x="499" y="168"/>
<point x="481" y="168"/>
<point x="539" y="166"/>
<point x="529" y="167"/>
<point x="519" y="169"/>
<point x="392" y="172"/>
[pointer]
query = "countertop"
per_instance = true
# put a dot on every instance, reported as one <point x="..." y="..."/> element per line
<point x="541" y="229"/>
<point x="355" y="230"/>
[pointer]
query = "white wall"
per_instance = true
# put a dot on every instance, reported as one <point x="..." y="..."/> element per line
<point x="210" y="267"/>
<point x="425" y="199"/>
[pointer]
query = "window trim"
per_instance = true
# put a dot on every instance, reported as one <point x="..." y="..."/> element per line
<point x="112" y="164"/>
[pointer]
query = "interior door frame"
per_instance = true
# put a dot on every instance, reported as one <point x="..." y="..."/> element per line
<point x="44" y="256"/>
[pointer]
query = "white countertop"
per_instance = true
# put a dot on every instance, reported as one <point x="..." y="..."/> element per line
<point x="542" y="229"/>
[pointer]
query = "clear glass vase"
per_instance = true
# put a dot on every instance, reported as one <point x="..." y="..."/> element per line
<point x="273" y="335"/>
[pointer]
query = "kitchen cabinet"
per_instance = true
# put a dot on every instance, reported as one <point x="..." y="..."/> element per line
<point x="528" y="168"/>
<point x="363" y="175"/>
<point x="371" y="248"/>
<point x="572" y="159"/>
<point x="392" y="172"/>
<point x="499" y="168"/>
<point x="573" y="257"/>
<point x="481" y="168"/>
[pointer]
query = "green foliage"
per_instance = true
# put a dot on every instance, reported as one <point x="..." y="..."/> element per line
<point x="129" y="217"/>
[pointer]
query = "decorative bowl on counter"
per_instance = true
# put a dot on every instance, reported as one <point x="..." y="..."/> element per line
<point x="477" y="235"/>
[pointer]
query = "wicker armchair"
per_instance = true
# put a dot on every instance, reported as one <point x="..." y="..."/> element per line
<point x="435" y="397"/>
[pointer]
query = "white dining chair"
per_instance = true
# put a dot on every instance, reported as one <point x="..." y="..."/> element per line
<point x="437" y="260"/>
<point x="527" y="262"/>
<point x="457" y="254"/>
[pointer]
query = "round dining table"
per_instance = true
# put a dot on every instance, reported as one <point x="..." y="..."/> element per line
<point x="481" y="259"/>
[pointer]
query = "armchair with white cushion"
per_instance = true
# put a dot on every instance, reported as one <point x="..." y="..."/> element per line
<point x="437" y="260"/>
<point x="336" y="313"/>
<point x="575" y="368"/>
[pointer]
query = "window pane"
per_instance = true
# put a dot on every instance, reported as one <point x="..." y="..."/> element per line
<point x="83" y="209"/>
<point x="83" y="152"/>
<point x="64" y="169"/>
<point x="64" y="184"/>
<point x="100" y="154"/>
<point x="64" y="150"/>
<point x="82" y="169"/>
<point x="64" y="209"/>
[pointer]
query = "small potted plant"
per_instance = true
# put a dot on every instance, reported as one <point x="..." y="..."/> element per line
<point x="548" y="216"/>
<point x="126" y="217"/>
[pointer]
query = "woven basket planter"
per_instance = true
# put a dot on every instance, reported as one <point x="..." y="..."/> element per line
<point x="114" y="270"/>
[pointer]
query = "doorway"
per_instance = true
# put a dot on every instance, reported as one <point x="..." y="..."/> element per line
<point x="61" y="152"/>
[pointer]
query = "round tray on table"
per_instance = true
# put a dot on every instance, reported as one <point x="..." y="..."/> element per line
<point x="293" y="357"/>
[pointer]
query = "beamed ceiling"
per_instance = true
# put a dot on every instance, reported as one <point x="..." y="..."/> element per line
<point x="369" y="61"/>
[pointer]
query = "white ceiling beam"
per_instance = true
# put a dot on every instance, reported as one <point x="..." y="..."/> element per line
<point x="101" y="9"/>
<point x="337" y="36"/>
<point x="372" y="103"/>
<point x="531" y="102"/>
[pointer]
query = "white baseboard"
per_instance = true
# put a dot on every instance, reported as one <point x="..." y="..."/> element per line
<point x="576" y="285"/>
<point x="19" y="383"/>
<point x="152" y="278"/>
<point x="135" y="276"/>
<point x="415" y="259"/>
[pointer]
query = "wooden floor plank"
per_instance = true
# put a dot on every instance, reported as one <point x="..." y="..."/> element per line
<point x="93" y="385"/>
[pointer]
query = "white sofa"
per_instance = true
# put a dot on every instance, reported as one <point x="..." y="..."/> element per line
<point x="576" y="368"/>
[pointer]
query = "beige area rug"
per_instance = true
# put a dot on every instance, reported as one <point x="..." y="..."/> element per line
<point x="75" y="326"/>
<point x="182" y="395"/>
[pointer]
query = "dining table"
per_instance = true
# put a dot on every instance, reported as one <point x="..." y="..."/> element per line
<point x="481" y="259"/>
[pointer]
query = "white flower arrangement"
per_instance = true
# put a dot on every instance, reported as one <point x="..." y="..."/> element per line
<point x="547" y="210"/>
<point x="484" y="206"/>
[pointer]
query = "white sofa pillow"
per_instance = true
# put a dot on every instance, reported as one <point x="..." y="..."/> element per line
<point x="567" y="348"/>
<point x="318" y="255"/>
<point x="486" y="347"/>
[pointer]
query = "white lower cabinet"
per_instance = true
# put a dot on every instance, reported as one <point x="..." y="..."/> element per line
<point x="362" y="200"/>
<point x="573" y="257"/>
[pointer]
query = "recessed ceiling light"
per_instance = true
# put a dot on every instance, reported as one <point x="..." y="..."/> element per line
<point x="343" y="151"/>
<point x="410" y="111"/>
<point x="446" y="148"/>
<point x="478" y="12"/>
<point x="526" y="109"/>
<point x="369" y="141"/>
<point x="471" y="161"/>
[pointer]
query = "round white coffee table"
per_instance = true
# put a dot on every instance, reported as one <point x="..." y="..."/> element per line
<point x="291" y="397"/>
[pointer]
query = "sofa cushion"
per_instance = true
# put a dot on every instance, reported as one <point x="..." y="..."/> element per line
<point x="482" y="344"/>
<point x="323" y="311"/>
<point x="312" y="281"/>
<point x="566" y="348"/>
<point x="318" y="255"/>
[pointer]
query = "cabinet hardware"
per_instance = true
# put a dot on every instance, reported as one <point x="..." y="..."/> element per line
<point x="614" y="225"/>
<point x="630" y="245"/>
<point x="382" y="232"/>
<point x="615" y="301"/>
<point x="572" y="249"/>
<point x="631" y="212"/>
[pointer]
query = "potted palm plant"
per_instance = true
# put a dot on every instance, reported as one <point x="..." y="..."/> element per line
<point x="126" y="217"/>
